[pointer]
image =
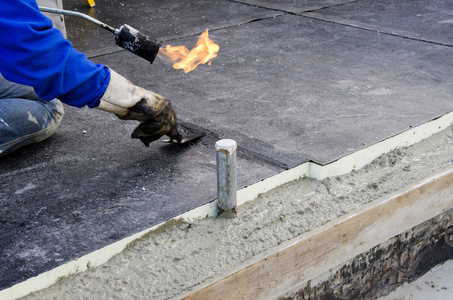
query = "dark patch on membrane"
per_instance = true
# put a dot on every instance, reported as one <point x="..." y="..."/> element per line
<point x="186" y="133"/>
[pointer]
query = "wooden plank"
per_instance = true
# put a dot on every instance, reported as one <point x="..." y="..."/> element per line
<point x="308" y="256"/>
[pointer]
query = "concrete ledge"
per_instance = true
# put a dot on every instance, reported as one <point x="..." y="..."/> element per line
<point x="287" y="267"/>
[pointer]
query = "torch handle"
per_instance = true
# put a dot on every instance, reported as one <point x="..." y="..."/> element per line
<point x="78" y="14"/>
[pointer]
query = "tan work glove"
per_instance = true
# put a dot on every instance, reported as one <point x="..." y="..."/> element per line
<point x="131" y="102"/>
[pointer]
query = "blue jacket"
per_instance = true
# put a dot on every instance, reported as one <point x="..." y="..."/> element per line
<point x="35" y="54"/>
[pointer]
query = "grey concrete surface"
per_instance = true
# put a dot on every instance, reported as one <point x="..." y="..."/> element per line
<point x="289" y="88"/>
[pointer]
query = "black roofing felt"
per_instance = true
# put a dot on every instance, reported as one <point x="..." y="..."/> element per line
<point x="289" y="88"/>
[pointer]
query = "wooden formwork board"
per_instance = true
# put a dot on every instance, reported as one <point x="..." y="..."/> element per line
<point x="293" y="263"/>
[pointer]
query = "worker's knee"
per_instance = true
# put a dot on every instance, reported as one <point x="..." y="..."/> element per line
<point x="24" y="121"/>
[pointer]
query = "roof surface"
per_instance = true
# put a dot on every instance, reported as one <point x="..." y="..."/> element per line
<point x="307" y="80"/>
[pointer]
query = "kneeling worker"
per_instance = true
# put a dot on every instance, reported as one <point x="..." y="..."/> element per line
<point x="39" y="68"/>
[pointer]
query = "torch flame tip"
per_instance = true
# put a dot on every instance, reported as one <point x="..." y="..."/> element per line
<point x="205" y="51"/>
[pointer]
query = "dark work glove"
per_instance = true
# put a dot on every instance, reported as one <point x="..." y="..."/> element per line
<point x="130" y="102"/>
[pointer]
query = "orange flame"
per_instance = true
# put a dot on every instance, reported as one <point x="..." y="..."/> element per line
<point x="204" y="51"/>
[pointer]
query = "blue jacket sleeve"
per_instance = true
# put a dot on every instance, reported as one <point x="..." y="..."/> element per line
<point x="34" y="53"/>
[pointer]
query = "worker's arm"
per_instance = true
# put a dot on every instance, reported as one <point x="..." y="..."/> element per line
<point x="35" y="54"/>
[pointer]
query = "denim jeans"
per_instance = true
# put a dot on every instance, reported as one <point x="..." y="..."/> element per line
<point x="24" y="117"/>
